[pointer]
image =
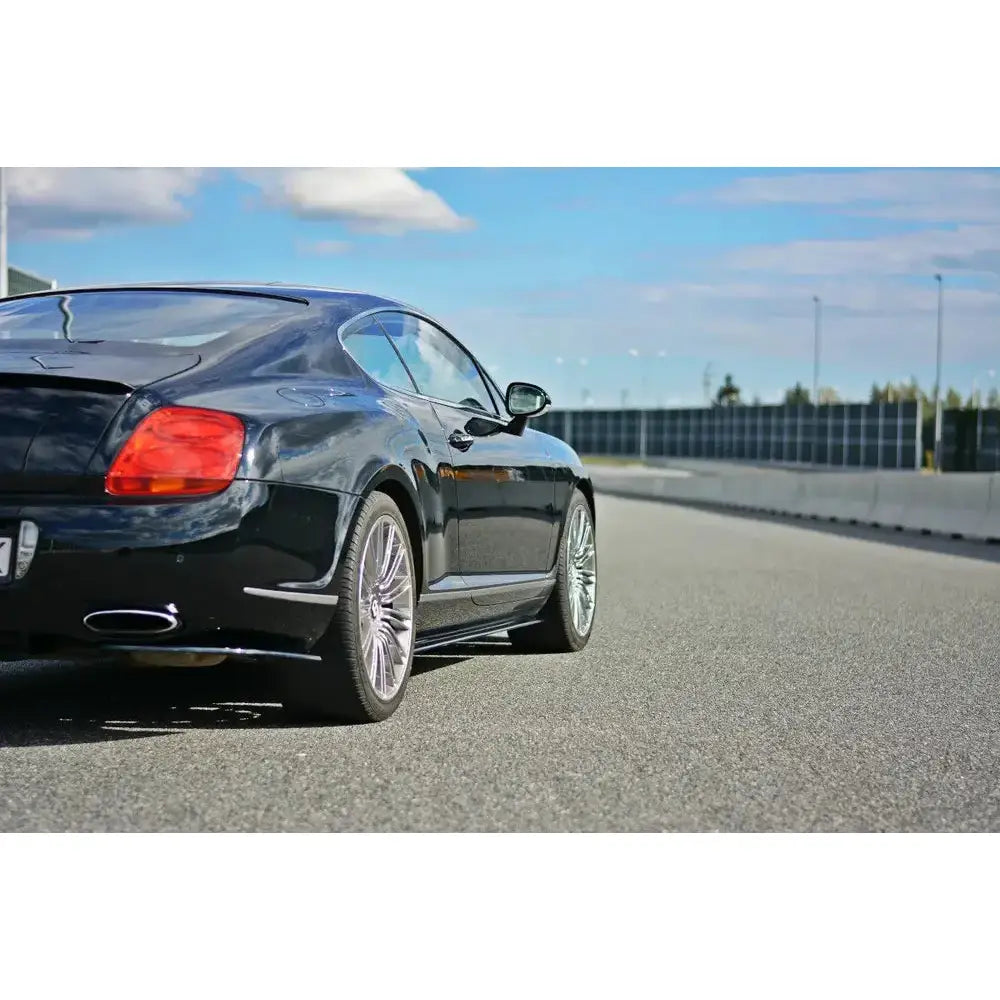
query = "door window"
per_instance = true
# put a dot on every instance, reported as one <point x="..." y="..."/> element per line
<point x="370" y="347"/>
<point x="439" y="366"/>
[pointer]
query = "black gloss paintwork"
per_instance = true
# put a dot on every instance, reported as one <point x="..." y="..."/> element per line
<point x="320" y="435"/>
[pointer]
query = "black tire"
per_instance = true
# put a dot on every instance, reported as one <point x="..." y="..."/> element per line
<point x="339" y="688"/>
<point x="556" y="633"/>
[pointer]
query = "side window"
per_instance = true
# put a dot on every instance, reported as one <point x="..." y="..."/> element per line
<point x="368" y="345"/>
<point x="441" y="368"/>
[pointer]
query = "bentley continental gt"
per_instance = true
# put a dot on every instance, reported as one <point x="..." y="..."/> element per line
<point x="324" y="480"/>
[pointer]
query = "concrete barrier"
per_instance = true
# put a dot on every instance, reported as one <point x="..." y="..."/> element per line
<point x="777" y="492"/>
<point x="958" y="504"/>
<point x="695" y="489"/>
<point x="839" y="496"/>
<point x="991" y="523"/>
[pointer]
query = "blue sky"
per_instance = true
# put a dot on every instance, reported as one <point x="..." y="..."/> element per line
<point x="590" y="281"/>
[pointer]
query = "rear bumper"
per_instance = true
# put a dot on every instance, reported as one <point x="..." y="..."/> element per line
<point x="198" y="556"/>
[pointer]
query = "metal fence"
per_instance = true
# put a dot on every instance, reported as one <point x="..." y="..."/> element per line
<point x="970" y="441"/>
<point x="877" y="435"/>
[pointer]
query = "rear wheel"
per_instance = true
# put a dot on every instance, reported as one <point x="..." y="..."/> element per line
<point x="367" y="652"/>
<point x="568" y="617"/>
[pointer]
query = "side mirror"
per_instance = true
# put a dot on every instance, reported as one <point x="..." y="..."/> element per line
<point x="526" y="400"/>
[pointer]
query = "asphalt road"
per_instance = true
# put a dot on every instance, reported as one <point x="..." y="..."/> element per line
<point x="745" y="674"/>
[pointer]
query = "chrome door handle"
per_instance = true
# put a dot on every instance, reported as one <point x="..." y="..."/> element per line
<point x="460" y="440"/>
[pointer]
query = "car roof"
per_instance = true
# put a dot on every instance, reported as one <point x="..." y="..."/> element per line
<point x="305" y="293"/>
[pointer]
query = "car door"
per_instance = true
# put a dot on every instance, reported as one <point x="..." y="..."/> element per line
<point x="505" y="491"/>
<point x="430" y="459"/>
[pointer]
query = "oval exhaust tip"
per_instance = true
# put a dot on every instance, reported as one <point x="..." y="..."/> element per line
<point x="131" y="621"/>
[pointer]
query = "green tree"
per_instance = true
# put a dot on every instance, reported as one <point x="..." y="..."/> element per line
<point x="826" y="395"/>
<point x="910" y="392"/>
<point x="798" y="395"/>
<point x="993" y="398"/>
<point x="952" y="399"/>
<point x="728" y="393"/>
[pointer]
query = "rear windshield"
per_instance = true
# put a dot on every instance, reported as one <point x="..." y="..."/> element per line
<point x="177" y="319"/>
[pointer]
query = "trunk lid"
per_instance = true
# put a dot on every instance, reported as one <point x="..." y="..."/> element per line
<point x="55" y="405"/>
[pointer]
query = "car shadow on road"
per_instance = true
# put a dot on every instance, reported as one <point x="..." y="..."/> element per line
<point x="447" y="656"/>
<point x="68" y="702"/>
<point x="73" y="702"/>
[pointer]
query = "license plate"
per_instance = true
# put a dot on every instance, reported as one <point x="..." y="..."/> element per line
<point x="6" y="557"/>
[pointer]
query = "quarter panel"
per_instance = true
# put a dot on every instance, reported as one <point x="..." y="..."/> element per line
<point x="567" y="472"/>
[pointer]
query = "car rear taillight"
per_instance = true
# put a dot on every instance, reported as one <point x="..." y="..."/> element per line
<point x="178" y="451"/>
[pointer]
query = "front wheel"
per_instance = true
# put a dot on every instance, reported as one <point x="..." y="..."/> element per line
<point x="367" y="651"/>
<point x="568" y="617"/>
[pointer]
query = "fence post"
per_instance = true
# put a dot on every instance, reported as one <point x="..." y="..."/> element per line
<point x="568" y="428"/>
<point x="642" y="435"/>
<point x="829" y="434"/>
<point x="847" y="433"/>
<point x="899" y="435"/>
<point x="861" y="444"/>
<point x="881" y="422"/>
<point x="979" y="434"/>
<point x="918" y="430"/>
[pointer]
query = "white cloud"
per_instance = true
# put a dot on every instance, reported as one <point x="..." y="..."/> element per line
<point x="962" y="205"/>
<point x="72" y="203"/>
<point x="965" y="248"/>
<point x="918" y="195"/>
<point x="324" y="248"/>
<point x="378" y="200"/>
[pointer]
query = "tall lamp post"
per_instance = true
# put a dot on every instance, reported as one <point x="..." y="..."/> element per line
<point x="938" y="412"/>
<point x="818" y="306"/>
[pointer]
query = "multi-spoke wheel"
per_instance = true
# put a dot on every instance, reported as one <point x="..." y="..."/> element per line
<point x="581" y="567"/>
<point x="367" y="651"/>
<point x="385" y="589"/>
<point x="568" y="617"/>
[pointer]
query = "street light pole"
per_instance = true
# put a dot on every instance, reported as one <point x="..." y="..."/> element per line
<point x="818" y="307"/>
<point x="938" y="413"/>
<point x="3" y="234"/>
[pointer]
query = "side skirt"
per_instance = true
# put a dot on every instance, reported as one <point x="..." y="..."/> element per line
<point x="228" y="651"/>
<point x="445" y="637"/>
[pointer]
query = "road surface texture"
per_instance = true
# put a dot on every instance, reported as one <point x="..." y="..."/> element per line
<point x="745" y="674"/>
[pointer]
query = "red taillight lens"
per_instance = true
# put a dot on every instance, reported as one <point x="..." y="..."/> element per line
<point x="178" y="450"/>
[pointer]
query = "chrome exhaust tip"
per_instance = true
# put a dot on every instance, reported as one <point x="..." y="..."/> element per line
<point x="133" y="621"/>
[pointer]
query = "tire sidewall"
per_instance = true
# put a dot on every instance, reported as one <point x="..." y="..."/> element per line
<point x="375" y="506"/>
<point x="577" y="639"/>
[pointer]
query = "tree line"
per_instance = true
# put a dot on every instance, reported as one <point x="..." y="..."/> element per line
<point x="729" y="394"/>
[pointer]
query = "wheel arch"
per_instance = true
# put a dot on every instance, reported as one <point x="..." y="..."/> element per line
<point x="393" y="482"/>
<point x="586" y="487"/>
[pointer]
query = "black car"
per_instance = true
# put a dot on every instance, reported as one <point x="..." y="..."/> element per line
<point x="323" y="479"/>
